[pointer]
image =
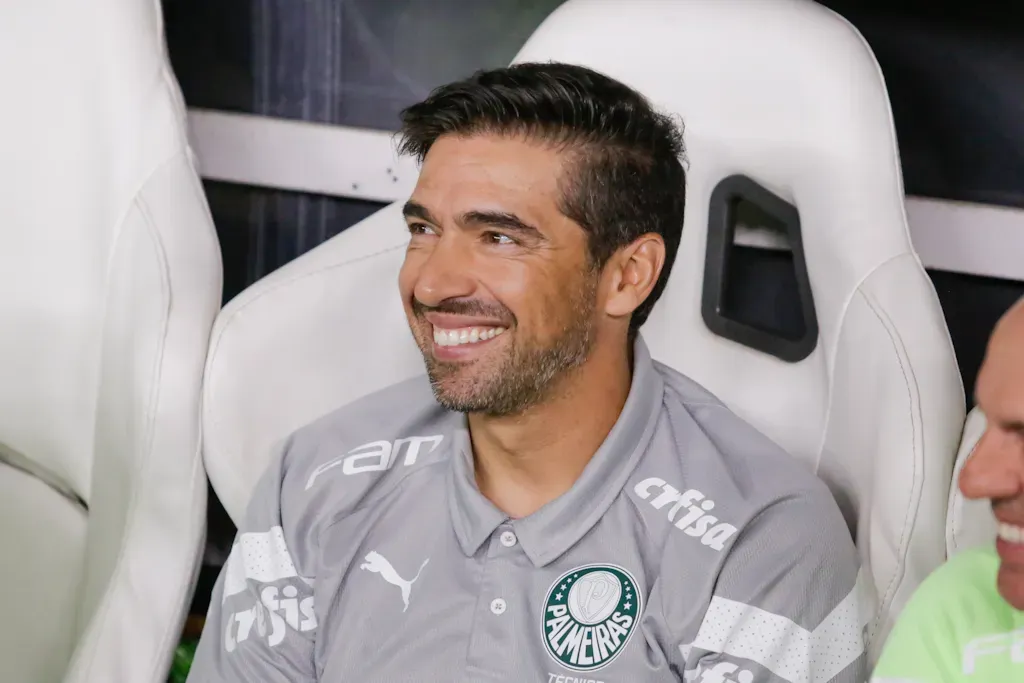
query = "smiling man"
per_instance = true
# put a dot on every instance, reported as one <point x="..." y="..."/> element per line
<point x="966" y="621"/>
<point x="548" y="504"/>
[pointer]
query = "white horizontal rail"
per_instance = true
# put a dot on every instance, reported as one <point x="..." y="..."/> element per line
<point x="339" y="161"/>
<point x="359" y="163"/>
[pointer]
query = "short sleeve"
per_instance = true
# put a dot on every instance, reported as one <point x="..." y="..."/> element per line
<point x="261" y="624"/>
<point x="787" y="605"/>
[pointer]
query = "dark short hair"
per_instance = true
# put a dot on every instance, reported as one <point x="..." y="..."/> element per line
<point x="627" y="178"/>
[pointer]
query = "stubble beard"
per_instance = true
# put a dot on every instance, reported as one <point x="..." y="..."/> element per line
<point x="526" y="376"/>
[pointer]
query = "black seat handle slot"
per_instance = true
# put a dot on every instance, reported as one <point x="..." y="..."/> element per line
<point x="722" y="221"/>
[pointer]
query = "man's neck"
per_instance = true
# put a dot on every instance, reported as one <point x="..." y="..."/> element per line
<point x="525" y="461"/>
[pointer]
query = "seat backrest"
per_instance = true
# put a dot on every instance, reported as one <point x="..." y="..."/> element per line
<point x="110" y="279"/>
<point x="784" y="108"/>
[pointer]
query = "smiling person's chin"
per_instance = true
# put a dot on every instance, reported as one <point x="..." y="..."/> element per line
<point x="465" y="386"/>
<point x="1011" y="584"/>
<point x="512" y="379"/>
<point x="456" y="370"/>
<point x="456" y="394"/>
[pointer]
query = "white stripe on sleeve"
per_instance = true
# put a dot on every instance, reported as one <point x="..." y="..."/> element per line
<point x="789" y="651"/>
<point x="260" y="556"/>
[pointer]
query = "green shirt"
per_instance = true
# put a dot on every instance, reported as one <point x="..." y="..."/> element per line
<point x="957" y="629"/>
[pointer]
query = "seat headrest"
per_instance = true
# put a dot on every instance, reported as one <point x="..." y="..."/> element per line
<point x="784" y="91"/>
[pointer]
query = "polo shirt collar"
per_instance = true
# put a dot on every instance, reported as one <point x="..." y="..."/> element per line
<point x="474" y="517"/>
<point x="559" y="525"/>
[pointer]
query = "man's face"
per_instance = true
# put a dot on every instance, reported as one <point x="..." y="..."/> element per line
<point x="497" y="284"/>
<point x="996" y="469"/>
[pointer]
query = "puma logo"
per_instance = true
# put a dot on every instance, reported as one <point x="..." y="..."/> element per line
<point x="378" y="564"/>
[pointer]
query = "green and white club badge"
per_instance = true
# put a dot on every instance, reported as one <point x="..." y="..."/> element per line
<point x="590" y="613"/>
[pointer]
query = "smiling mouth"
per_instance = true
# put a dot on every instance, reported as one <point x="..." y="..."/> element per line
<point x="1011" y="533"/>
<point x="462" y="336"/>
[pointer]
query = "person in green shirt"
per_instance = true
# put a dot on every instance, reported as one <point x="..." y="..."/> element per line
<point x="966" y="621"/>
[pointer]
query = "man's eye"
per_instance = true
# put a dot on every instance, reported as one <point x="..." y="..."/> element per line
<point x="499" y="238"/>
<point x="421" y="229"/>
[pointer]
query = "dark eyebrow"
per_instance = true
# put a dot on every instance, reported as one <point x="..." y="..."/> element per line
<point x="502" y="220"/>
<point x="416" y="210"/>
<point x="495" y="219"/>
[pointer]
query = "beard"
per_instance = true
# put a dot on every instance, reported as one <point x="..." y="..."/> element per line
<point x="527" y="373"/>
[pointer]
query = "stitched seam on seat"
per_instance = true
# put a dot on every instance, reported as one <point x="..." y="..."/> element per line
<point x="133" y="197"/>
<point x="897" y="169"/>
<point x="833" y="352"/>
<point x="104" y="607"/>
<point x="188" y="582"/>
<point x="910" y="515"/>
<point x="43" y="474"/>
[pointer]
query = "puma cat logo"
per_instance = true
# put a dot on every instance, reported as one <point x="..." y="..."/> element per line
<point x="378" y="564"/>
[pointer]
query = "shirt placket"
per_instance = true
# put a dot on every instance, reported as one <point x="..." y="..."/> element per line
<point x="492" y="640"/>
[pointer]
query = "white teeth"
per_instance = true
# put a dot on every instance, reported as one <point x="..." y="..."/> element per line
<point x="465" y="335"/>
<point x="1011" y="533"/>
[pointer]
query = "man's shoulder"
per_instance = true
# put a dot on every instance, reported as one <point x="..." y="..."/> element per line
<point x="738" y="442"/>
<point x="965" y="582"/>
<point x="767" y="541"/>
<point x="955" y="627"/>
<point x="974" y="567"/>
<point x="369" y="445"/>
<point x="957" y="602"/>
<point x="734" y="460"/>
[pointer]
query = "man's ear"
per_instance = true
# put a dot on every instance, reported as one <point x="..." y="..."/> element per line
<point x="632" y="273"/>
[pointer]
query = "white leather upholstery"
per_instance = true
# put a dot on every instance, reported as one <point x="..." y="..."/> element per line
<point x="783" y="91"/>
<point x="110" y="279"/>
<point x="969" y="523"/>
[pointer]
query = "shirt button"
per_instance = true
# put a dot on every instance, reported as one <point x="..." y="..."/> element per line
<point x="498" y="606"/>
<point x="508" y="539"/>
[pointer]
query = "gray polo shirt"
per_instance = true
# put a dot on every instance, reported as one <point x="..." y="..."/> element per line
<point x="691" y="549"/>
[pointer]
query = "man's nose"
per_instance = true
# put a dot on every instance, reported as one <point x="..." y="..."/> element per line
<point x="996" y="468"/>
<point x="446" y="272"/>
